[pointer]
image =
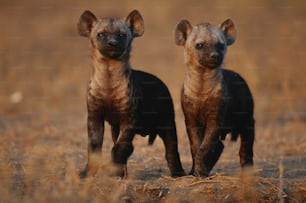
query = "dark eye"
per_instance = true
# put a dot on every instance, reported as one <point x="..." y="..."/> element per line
<point x="220" y="46"/>
<point x="122" y="35"/>
<point x="199" y="46"/>
<point x="100" y="35"/>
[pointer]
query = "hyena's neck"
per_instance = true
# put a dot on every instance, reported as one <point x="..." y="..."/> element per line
<point x="110" y="79"/>
<point x="201" y="82"/>
<point x="110" y="73"/>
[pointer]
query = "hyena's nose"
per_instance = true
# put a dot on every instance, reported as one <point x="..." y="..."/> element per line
<point x="112" y="42"/>
<point x="214" y="55"/>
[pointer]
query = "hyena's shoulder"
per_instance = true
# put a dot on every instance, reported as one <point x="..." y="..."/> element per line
<point x="149" y="82"/>
<point x="235" y="84"/>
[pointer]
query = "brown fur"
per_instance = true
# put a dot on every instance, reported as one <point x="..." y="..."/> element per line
<point x="132" y="102"/>
<point x="215" y="101"/>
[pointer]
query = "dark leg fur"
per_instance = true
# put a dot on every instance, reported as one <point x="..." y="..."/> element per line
<point x="194" y="139"/>
<point x="246" y="147"/>
<point x="214" y="155"/>
<point x="120" y="154"/>
<point x="122" y="151"/>
<point x="115" y="132"/>
<point x="169" y="138"/>
<point x="194" y="133"/>
<point x="209" y="152"/>
<point x="95" y="125"/>
<point x="206" y="159"/>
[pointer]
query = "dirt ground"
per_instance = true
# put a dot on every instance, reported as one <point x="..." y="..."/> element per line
<point x="44" y="69"/>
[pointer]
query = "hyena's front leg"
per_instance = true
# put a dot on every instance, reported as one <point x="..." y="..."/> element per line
<point x="122" y="150"/>
<point x="194" y="132"/>
<point x="210" y="149"/>
<point x="95" y="127"/>
<point x="115" y="132"/>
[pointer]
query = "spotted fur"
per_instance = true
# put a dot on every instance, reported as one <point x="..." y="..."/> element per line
<point x="215" y="101"/>
<point x="131" y="101"/>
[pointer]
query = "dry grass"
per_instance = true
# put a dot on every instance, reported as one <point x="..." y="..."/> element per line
<point x="44" y="68"/>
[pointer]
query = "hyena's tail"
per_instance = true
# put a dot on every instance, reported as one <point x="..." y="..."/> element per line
<point x="234" y="136"/>
<point x="246" y="131"/>
<point x="152" y="138"/>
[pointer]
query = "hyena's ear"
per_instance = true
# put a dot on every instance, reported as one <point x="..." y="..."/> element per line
<point x="86" y="23"/>
<point x="182" y="30"/>
<point x="229" y="31"/>
<point x="135" y="20"/>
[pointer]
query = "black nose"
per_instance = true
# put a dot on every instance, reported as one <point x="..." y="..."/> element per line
<point x="214" y="55"/>
<point x="112" y="42"/>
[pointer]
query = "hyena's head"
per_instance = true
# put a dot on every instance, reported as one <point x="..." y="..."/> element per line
<point x="112" y="37"/>
<point x="205" y="44"/>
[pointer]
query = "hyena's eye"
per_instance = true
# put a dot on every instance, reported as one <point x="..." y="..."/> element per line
<point x="122" y="35"/>
<point x="100" y="35"/>
<point x="199" y="46"/>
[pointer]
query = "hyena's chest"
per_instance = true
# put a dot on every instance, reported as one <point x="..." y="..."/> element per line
<point x="205" y="104"/>
<point x="112" y="103"/>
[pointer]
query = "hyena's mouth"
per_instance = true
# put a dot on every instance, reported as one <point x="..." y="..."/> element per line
<point x="112" y="53"/>
<point x="210" y="63"/>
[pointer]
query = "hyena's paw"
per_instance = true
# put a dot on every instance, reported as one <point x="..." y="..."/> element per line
<point x="83" y="174"/>
<point x="178" y="174"/>
<point x="119" y="170"/>
<point x="87" y="173"/>
<point x="91" y="167"/>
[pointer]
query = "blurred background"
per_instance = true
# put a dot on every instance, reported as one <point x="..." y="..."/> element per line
<point x="45" y="66"/>
<point x="45" y="63"/>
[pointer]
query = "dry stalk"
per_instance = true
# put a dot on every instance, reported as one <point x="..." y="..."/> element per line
<point x="177" y="178"/>
<point x="281" y="184"/>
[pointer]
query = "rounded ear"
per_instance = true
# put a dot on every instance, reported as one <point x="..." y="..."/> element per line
<point x="229" y="31"/>
<point x="86" y="23"/>
<point x="182" y="30"/>
<point x="135" y="20"/>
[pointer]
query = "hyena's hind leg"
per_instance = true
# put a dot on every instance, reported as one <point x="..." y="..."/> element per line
<point x="169" y="138"/>
<point x="247" y="135"/>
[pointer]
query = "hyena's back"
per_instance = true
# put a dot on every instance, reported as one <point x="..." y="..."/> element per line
<point x="239" y="115"/>
<point x="156" y="110"/>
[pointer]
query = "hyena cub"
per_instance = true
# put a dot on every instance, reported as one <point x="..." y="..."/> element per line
<point x="215" y="101"/>
<point x="131" y="101"/>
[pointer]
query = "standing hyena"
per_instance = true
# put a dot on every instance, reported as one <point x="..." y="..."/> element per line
<point x="132" y="102"/>
<point x="215" y="101"/>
